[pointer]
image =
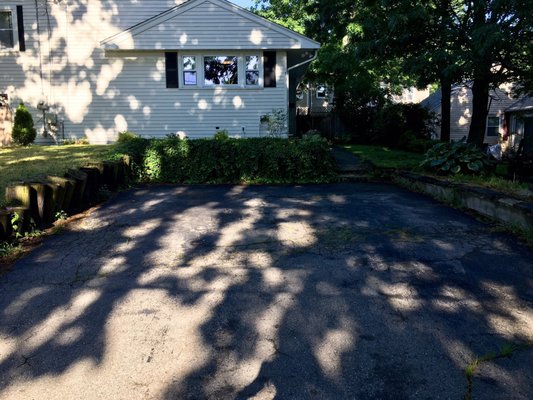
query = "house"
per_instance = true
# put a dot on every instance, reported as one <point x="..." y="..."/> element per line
<point x="461" y="112"/>
<point x="95" y="68"/>
<point x="411" y="95"/>
<point x="314" y="99"/>
<point x="519" y="117"/>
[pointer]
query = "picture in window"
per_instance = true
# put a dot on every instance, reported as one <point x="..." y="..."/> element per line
<point x="252" y="70"/>
<point x="6" y="29"/>
<point x="189" y="70"/>
<point x="221" y="70"/>
<point x="493" y="126"/>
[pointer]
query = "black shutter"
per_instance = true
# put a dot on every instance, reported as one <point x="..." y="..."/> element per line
<point x="171" y="68"/>
<point x="20" y="26"/>
<point x="269" y="67"/>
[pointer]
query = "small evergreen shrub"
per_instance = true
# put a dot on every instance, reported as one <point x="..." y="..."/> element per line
<point x="221" y="135"/>
<point x="24" y="132"/>
<point x="457" y="157"/>
<point x="253" y="160"/>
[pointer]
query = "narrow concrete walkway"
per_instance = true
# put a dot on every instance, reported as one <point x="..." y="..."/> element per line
<point x="348" y="164"/>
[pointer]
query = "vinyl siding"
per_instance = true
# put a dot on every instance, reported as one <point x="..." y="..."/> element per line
<point x="461" y="111"/>
<point x="206" y="26"/>
<point x="98" y="94"/>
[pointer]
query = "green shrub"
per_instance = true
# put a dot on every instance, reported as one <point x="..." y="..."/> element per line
<point x="457" y="157"/>
<point x="24" y="132"/>
<point x="254" y="160"/>
<point x="221" y="135"/>
<point x="126" y="136"/>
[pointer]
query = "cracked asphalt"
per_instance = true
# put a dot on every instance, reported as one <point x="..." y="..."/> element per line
<point x="348" y="291"/>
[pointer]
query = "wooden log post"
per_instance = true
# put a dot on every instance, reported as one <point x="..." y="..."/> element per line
<point x="22" y="224"/>
<point x="68" y="186"/>
<point x="90" y="195"/>
<point x="6" y="228"/>
<point x="18" y="193"/>
<point x="42" y="202"/>
<point x="80" y="178"/>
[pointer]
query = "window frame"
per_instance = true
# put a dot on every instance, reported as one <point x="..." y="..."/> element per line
<point x="183" y="70"/>
<point x="200" y="69"/>
<point x="14" y="29"/>
<point x="493" y="126"/>
<point x="317" y="92"/>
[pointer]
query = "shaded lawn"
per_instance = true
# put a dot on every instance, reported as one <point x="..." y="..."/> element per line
<point x="383" y="157"/>
<point x="23" y="163"/>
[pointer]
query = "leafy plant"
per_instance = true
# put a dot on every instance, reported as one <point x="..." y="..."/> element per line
<point x="457" y="157"/>
<point x="221" y="135"/>
<point x="24" y="132"/>
<point x="276" y="122"/>
<point x="126" y="136"/>
<point x="61" y="215"/>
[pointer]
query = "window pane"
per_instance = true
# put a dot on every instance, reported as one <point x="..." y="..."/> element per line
<point x="189" y="77"/>
<point x="6" y="38"/>
<point x="493" y="121"/>
<point x="252" y="63"/>
<point x="252" y="77"/>
<point x="220" y="70"/>
<point x="5" y="20"/>
<point x="189" y="63"/>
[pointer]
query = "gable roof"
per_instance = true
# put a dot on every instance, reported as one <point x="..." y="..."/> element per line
<point x="523" y="104"/>
<point x="207" y="24"/>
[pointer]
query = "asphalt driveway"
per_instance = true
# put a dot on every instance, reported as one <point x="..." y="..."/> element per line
<point x="354" y="291"/>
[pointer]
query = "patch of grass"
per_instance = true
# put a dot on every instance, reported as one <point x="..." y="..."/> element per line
<point x="498" y="183"/>
<point x="505" y="351"/>
<point x="23" y="163"/>
<point x="384" y="157"/>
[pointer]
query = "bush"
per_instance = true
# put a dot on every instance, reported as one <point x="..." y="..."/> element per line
<point x="126" y="136"/>
<point x="457" y="157"/>
<point x="221" y="135"/>
<point x="24" y="132"/>
<point x="254" y="160"/>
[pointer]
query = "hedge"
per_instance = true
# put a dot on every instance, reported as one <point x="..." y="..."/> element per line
<point x="254" y="160"/>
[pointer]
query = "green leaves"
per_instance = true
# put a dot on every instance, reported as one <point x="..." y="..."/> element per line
<point x="255" y="160"/>
<point x="456" y="157"/>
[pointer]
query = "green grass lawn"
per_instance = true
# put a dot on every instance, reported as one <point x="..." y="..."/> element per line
<point x="383" y="157"/>
<point x="24" y="163"/>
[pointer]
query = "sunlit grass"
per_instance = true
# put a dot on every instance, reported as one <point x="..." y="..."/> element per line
<point x="24" y="163"/>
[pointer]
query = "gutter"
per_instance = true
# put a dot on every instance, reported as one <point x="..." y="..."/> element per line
<point x="304" y="62"/>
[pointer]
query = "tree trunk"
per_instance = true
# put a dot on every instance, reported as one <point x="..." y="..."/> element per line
<point x="480" y="101"/>
<point x="445" y="109"/>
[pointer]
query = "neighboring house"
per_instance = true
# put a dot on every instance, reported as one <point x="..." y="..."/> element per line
<point x="153" y="66"/>
<point x="314" y="99"/>
<point x="411" y="95"/>
<point x="461" y="112"/>
<point x="519" y="117"/>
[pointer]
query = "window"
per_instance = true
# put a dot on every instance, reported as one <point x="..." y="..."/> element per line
<point x="252" y="70"/>
<point x="321" y="92"/>
<point x="493" y="126"/>
<point x="6" y="30"/>
<point x="221" y="70"/>
<point x="189" y="71"/>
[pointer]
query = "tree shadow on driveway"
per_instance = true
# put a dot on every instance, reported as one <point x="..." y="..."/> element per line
<point x="333" y="291"/>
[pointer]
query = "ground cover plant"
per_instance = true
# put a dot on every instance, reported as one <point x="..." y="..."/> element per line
<point x="385" y="157"/>
<point x="24" y="163"/>
<point x="254" y="160"/>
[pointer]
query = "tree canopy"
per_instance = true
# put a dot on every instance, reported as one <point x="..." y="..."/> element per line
<point x="373" y="47"/>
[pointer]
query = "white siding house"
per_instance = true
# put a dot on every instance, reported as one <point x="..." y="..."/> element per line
<point x="153" y="67"/>
<point x="461" y="112"/>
